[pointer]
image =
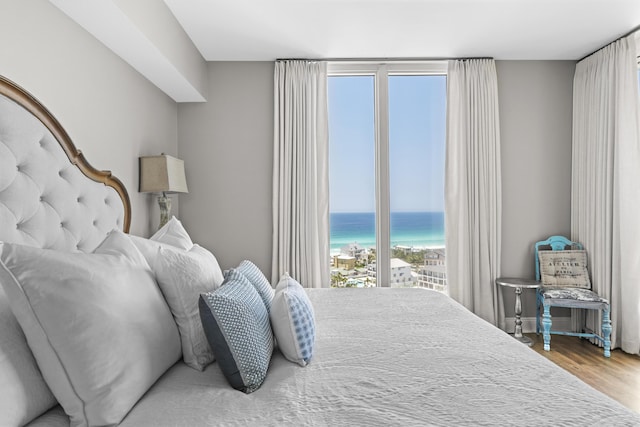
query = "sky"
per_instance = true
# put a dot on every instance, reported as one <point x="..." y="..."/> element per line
<point x="417" y="112"/>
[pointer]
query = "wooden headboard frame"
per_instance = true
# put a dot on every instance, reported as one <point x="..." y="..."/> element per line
<point x="14" y="92"/>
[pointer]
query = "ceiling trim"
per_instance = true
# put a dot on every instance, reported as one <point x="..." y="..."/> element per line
<point x="110" y="25"/>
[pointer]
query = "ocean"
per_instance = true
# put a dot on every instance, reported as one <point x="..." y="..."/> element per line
<point x="418" y="229"/>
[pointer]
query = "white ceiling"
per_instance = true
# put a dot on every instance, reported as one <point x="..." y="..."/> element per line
<point x="248" y="30"/>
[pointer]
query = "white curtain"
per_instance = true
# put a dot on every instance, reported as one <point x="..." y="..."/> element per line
<point x="300" y="173"/>
<point x="473" y="195"/>
<point x="605" y="190"/>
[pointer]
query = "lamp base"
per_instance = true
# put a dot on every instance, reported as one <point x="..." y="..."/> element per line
<point x="165" y="208"/>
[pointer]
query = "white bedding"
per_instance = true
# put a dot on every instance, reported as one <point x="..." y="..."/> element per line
<point x="387" y="357"/>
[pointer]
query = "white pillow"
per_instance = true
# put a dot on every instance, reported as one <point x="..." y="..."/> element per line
<point x="174" y="234"/>
<point x="183" y="276"/>
<point x="293" y="321"/>
<point x="25" y="394"/>
<point x="148" y="248"/>
<point x="97" y="324"/>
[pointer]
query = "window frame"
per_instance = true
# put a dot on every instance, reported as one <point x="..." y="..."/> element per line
<point x="381" y="70"/>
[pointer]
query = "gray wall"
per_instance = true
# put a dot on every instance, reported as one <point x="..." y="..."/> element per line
<point x="535" y="125"/>
<point x="111" y="112"/>
<point x="227" y="146"/>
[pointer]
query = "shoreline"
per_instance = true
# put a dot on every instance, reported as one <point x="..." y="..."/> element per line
<point x="337" y="251"/>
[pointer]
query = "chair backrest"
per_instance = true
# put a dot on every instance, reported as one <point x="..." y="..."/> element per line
<point x="555" y="243"/>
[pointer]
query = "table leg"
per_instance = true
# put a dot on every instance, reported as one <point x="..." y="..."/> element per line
<point x="518" y="311"/>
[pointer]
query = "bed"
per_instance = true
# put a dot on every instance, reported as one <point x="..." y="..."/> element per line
<point x="382" y="356"/>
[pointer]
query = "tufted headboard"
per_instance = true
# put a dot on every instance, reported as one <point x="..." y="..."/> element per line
<point x="50" y="196"/>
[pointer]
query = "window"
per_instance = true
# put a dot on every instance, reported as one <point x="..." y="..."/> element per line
<point x="386" y="172"/>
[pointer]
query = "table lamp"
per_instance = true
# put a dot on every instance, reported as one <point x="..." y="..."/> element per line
<point x="162" y="174"/>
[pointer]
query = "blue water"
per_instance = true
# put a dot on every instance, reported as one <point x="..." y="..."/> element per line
<point x="419" y="229"/>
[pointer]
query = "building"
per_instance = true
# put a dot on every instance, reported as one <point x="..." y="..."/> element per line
<point x="344" y="262"/>
<point x="401" y="275"/>
<point x="360" y="253"/>
<point x="433" y="273"/>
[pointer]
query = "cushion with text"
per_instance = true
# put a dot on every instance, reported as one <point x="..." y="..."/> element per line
<point x="561" y="269"/>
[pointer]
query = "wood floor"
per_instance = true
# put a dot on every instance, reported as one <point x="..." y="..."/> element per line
<point x="617" y="376"/>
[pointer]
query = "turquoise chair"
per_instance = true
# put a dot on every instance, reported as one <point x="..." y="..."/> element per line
<point x="570" y="297"/>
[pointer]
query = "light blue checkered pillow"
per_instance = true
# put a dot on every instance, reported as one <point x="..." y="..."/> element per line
<point x="237" y="327"/>
<point x="257" y="279"/>
<point x="293" y="321"/>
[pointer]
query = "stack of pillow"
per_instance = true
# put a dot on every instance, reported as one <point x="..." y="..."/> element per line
<point x="241" y="318"/>
<point x="104" y="326"/>
<point x="183" y="270"/>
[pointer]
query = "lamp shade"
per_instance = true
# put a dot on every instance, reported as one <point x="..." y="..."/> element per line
<point x="162" y="174"/>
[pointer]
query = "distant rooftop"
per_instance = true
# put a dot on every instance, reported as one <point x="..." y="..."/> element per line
<point x="398" y="263"/>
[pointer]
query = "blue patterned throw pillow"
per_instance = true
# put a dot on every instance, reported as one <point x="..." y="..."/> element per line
<point x="236" y="324"/>
<point x="293" y="321"/>
<point x="257" y="279"/>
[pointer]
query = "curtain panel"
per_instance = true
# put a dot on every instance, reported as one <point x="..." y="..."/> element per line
<point x="473" y="194"/>
<point x="605" y="186"/>
<point x="300" y="173"/>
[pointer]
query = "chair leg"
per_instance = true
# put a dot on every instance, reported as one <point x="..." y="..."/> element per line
<point x="606" y="331"/>
<point x="546" y="324"/>
<point x="537" y="314"/>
